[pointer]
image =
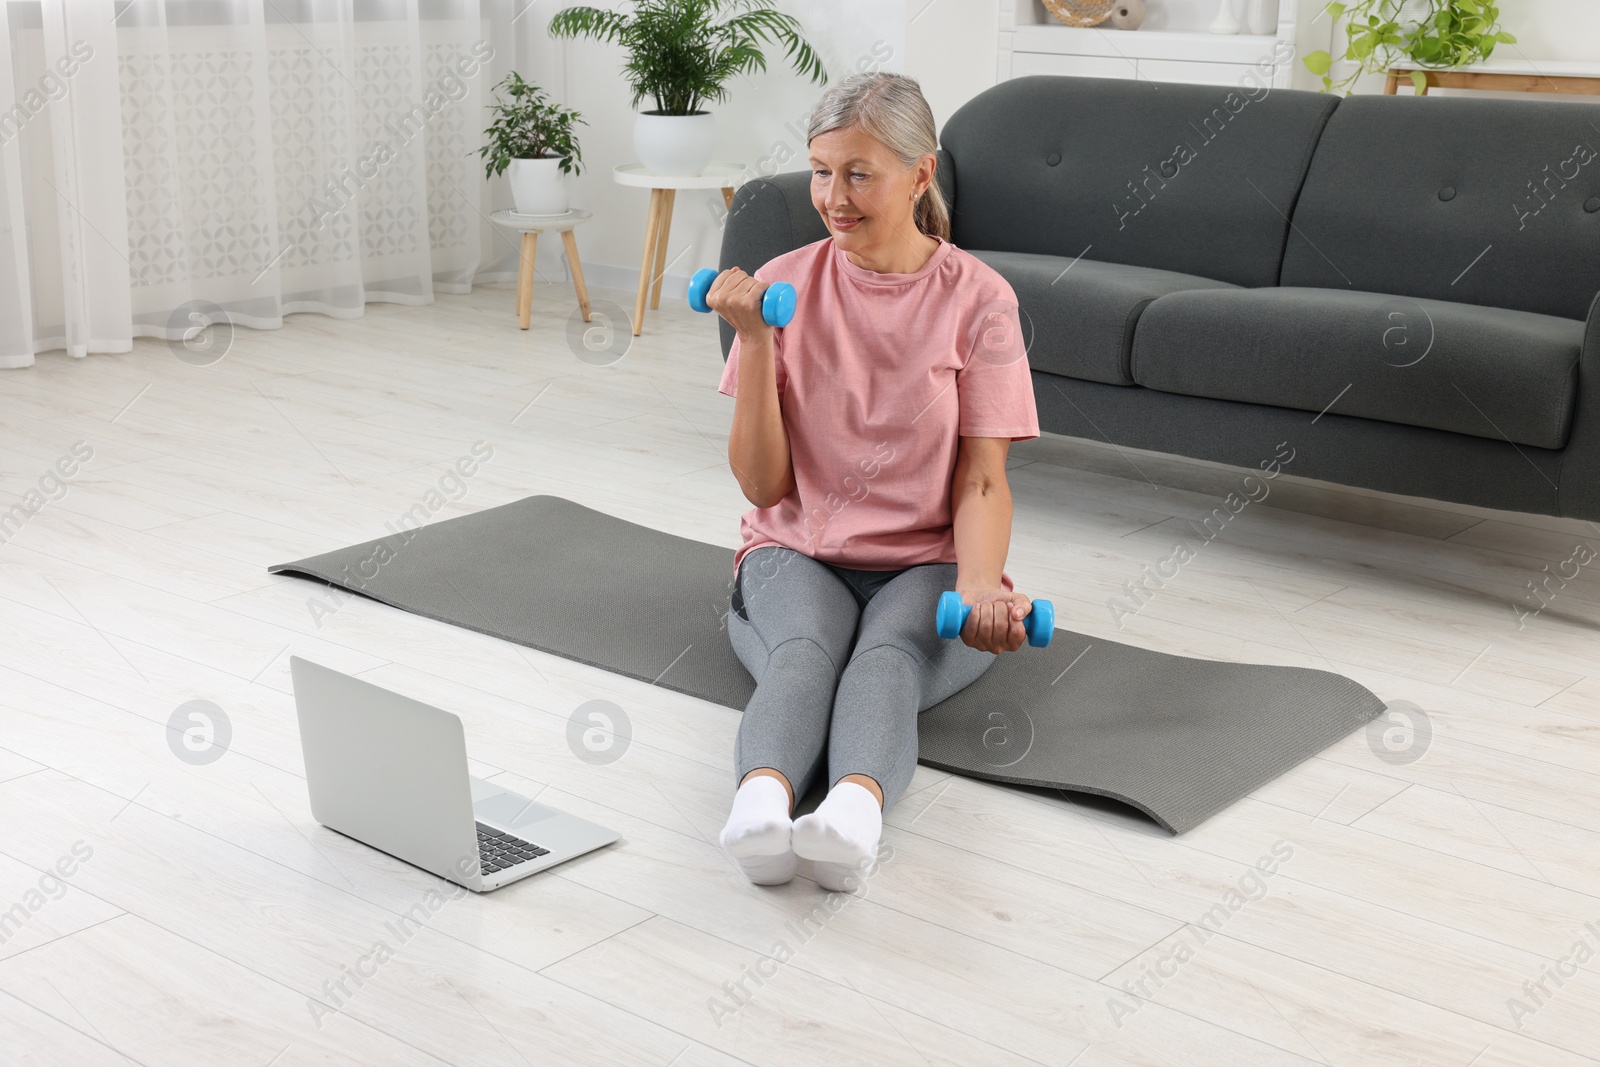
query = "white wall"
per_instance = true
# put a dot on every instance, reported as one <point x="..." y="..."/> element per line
<point x="950" y="46"/>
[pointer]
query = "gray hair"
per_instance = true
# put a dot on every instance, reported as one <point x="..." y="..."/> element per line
<point x="891" y="108"/>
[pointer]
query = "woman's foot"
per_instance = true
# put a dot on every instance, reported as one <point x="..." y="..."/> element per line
<point x="757" y="833"/>
<point x="841" y="836"/>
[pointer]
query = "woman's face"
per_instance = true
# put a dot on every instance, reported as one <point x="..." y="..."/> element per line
<point x="862" y="192"/>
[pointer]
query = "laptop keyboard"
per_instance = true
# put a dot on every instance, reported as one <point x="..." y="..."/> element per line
<point x="498" y="850"/>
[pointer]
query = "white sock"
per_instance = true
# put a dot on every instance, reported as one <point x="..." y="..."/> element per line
<point x="757" y="833"/>
<point x="841" y="836"/>
<point x="841" y="877"/>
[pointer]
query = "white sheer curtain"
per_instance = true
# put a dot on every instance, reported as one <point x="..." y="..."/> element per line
<point x="167" y="159"/>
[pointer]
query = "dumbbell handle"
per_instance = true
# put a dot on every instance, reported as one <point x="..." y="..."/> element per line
<point x="777" y="304"/>
<point x="1040" y="622"/>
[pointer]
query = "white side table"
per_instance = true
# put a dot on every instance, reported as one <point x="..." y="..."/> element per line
<point x="658" y="226"/>
<point x="531" y="226"/>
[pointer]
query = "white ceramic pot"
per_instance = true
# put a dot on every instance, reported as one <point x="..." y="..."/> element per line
<point x="675" y="144"/>
<point x="538" y="187"/>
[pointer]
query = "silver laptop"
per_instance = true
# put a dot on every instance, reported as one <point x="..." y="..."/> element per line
<point x="391" y="772"/>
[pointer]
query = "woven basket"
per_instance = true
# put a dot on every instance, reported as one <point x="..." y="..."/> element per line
<point x="1080" y="12"/>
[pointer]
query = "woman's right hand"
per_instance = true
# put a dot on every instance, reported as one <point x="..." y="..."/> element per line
<point x="736" y="296"/>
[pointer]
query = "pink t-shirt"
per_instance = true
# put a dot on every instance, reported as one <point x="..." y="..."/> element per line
<point x="878" y="376"/>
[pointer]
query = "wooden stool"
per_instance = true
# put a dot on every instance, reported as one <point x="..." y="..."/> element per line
<point x="658" y="226"/>
<point x="530" y="226"/>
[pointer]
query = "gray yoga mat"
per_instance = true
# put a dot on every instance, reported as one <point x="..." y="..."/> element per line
<point x="1178" y="738"/>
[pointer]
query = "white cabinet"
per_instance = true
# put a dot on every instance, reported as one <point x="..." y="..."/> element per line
<point x="1196" y="70"/>
<point x="1173" y="45"/>
<point x="1055" y="63"/>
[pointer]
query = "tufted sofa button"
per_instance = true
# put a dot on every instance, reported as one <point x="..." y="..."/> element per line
<point x="1447" y="193"/>
<point x="1053" y="158"/>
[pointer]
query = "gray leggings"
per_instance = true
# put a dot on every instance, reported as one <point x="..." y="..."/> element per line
<point x="822" y="680"/>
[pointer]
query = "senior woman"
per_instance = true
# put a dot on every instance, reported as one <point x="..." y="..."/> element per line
<point x="871" y="435"/>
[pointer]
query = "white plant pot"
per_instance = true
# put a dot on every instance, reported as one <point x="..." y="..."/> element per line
<point x="538" y="187"/>
<point x="675" y="144"/>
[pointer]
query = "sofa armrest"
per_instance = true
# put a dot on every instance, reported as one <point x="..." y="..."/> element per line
<point x="768" y="217"/>
<point x="1579" y="493"/>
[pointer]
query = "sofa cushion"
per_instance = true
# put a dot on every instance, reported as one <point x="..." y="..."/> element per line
<point x="1078" y="316"/>
<point x="1197" y="179"/>
<point x="1468" y="199"/>
<point x="1488" y="372"/>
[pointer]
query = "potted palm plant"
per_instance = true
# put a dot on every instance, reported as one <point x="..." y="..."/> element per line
<point x="680" y="55"/>
<point x="1430" y="33"/>
<point x="532" y="139"/>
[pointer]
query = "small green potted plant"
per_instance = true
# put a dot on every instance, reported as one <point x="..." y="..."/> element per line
<point x="1438" y="34"/>
<point x="680" y="56"/>
<point x="532" y="138"/>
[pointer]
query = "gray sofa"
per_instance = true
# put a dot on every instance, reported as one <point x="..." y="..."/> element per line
<point x="1404" y="288"/>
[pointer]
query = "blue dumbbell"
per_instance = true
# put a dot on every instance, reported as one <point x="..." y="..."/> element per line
<point x="777" y="306"/>
<point x="1040" y="622"/>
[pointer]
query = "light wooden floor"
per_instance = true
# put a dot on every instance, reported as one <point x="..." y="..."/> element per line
<point x="1416" y="901"/>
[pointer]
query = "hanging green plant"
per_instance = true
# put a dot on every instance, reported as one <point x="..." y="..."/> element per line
<point x="1381" y="33"/>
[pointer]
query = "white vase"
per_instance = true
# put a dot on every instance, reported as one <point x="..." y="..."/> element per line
<point x="1226" y="21"/>
<point x="1261" y="17"/>
<point x="538" y="187"/>
<point x="675" y="144"/>
<point x="1128" y="14"/>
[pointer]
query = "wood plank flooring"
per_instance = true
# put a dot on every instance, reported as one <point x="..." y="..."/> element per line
<point x="161" y="910"/>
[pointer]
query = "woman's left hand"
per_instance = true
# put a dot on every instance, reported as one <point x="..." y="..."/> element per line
<point x="995" y="624"/>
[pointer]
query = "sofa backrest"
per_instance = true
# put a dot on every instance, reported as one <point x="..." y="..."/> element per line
<point x="1198" y="179"/>
<point x="1478" y="200"/>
